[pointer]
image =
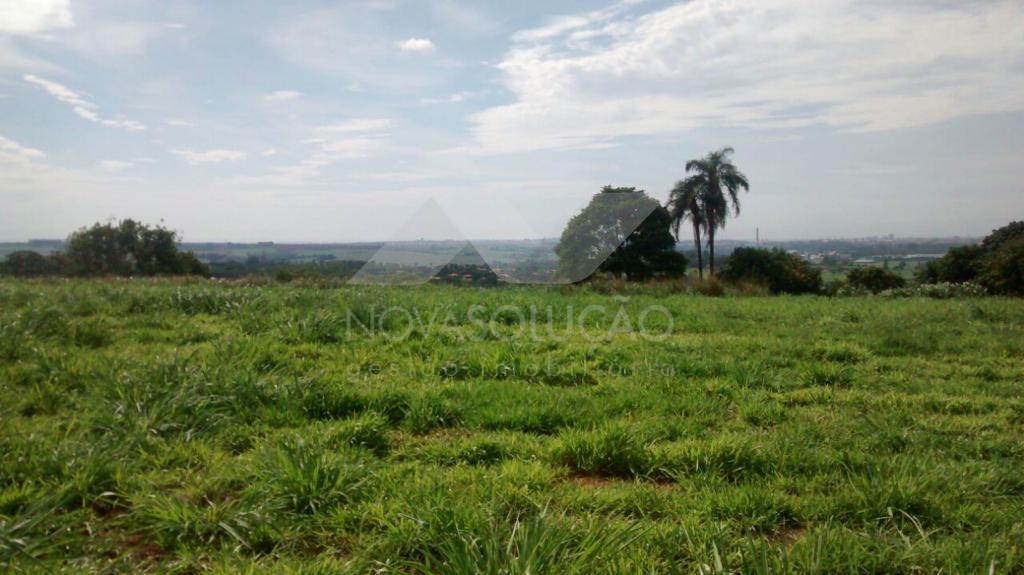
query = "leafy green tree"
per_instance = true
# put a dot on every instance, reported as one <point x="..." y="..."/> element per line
<point x="26" y="263"/>
<point x="959" y="265"/>
<point x="128" y="248"/>
<point x="622" y="231"/>
<point x="985" y="263"/>
<point x="781" y="272"/>
<point x="1009" y="232"/>
<point x="1004" y="268"/>
<point x="684" y="203"/>
<point x="650" y="251"/>
<point x="875" y="280"/>
<point x="717" y="183"/>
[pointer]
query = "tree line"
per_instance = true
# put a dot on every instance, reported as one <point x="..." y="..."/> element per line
<point x="622" y="232"/>
<point x="997" y="263"/>
<point x="125" y="248"/>
<point x="607" y="237"/>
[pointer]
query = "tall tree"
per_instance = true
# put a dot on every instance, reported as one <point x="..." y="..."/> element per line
<point x="684" y="203"/>
<point x="622" y="231"/>
<point x="128" y="248"/>
<point x="718" y="182"/>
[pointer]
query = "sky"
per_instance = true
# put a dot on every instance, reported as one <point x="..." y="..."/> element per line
<point x="308" y="121"/>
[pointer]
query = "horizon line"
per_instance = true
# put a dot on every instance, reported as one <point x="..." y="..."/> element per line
<point x="541" y="239"/>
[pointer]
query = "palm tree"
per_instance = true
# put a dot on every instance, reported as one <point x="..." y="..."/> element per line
<point x="718" y="183"/>
<point x="684" y="204"/>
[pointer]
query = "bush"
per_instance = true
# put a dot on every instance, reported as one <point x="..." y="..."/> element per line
<point x="875" y="280"/>
<point x="710" y="286"/>
<point x="781" y="272"/>
<point x="938" y="291"/>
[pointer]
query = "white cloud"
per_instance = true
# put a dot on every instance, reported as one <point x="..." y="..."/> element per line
<point x="456" y="98"/>
<point x="585" y="79"/>
<point x="114" y="165"/>
<point x="13" y="57"/>
<point x="215" y="156"/>
<point x="568" y="23"/>
<point x="282" y="96"/>
<point x="34" y="16"/>
<point x="269" y="152"/>
<point x="81" y="106"/>
<point x="59" y="91"/>
<point x="349" y="140"/>
<point x="373" y="57"/>
<point x="13" y="152"/>
<point x="103" y="40"/>
<point x="179" y="123"/>
<point x="464" y="17"/>
<point x="417" y="45"/>
<point x="355" y="126"/>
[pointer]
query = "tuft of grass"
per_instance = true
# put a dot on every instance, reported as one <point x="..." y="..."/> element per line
<point x="762" y="410"/>
<point x="829" y="375"/>
<point x="174" y="523"/>
<point x="307" y="478"/>
<point x="614" y="450"/>
<point x="367" y="431"/>
<point x="537" y="544"/>
<point x="731" y="459"/>
<point x="754" y="508"/>
<point x="32" y="531"/>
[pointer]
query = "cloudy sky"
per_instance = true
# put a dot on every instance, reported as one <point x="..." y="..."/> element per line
<point x="337" y="121"/>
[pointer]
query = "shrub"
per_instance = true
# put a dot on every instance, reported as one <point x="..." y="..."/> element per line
<point x="875" y="280"/>
<point x="710" y="286"/>
<point x="780" y="271"/>
<point x="938" y="291"/>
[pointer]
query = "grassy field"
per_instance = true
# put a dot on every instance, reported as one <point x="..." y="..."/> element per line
<point x="198" y="427"/>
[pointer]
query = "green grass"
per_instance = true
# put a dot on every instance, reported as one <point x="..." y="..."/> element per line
<point x="159" y="426"/>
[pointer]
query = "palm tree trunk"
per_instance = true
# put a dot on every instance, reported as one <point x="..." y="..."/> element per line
<point x="711" y="250"/>
<point x="700" y="256"/>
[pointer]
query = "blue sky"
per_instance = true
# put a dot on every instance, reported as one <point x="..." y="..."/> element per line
<point x="337" y="121"/>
